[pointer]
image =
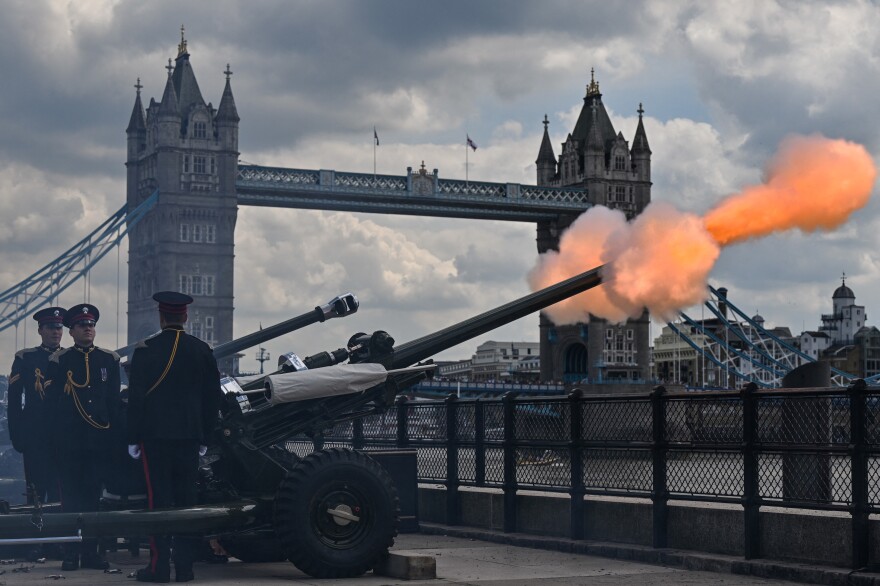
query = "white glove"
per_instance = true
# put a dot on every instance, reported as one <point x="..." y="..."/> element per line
<point x="134" y="451"/>
<point x="203" y="450"/>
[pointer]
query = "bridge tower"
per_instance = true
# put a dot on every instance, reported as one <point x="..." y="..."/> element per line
<point x="188" y="150"/>
<point x="616" y="176"/>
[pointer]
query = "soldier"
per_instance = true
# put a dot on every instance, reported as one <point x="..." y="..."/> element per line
<point x="174" y="400"/>
<point x="29" y="425"/>
<point x="83" y="389"/>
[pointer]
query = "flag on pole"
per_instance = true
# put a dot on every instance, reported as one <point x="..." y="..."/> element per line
<point x="375" y="136"/>
<point x="471" y="143"/>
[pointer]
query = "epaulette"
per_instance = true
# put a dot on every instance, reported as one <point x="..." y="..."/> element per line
<point x="21" y="353"/>
<point x="58" y="354"/>
<point x="110" y="352"/>
<point x="142" y="344"/>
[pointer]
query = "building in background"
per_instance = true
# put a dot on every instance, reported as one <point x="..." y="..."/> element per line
<point x="496" y="362"/>
<point x="844" y="339"/>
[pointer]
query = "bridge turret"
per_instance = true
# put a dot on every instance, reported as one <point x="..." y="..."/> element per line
<point x="186" y="243"/>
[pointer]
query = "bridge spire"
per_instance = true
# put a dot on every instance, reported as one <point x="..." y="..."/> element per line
<point x="137" y="122"/>
<point x="640" y="141"/>
<point x="546" y="163"/>
<point x="169" y="97"/>
<point x="181" y="48"/>
<point x="593" y="88"/>
<point x="227" y="111"/>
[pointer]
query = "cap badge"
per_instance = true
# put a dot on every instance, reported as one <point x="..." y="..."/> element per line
<point x="85" y="309"/>
<point x="56" y="313"/>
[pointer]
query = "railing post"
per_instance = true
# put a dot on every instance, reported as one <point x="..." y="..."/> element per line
<point x="357" y="434"/>
<point x="575" y="453"/>
<point x="659" y="494"/>
<point x="751" y="499"/>
<point x="479" y="443"/>
<point x="859" y="454"/>
<point x="452" y="508"/>
<point x="510" y="484"/>
<point x="402" y="422"/>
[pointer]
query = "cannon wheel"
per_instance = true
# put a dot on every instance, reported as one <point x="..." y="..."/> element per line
<point x="336" y="513"/>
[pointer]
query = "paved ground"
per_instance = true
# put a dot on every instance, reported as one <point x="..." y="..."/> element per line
<point x="459" y="561"/>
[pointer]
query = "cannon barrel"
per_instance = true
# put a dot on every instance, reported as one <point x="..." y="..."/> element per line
<point x="255" y="423"/>
<point x="337" y="307"/>
<point x="340" y="306"/>
<point x="427" y="346"/>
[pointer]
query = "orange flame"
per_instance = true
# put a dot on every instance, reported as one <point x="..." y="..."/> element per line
<point x="661" y="260"/>
<point x="813" y="183"/>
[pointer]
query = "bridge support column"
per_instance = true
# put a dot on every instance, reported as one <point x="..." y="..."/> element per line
<point x="548" y="234"/>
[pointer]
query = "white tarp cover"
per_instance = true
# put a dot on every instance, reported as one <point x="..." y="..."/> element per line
<point x="341" y="379"/>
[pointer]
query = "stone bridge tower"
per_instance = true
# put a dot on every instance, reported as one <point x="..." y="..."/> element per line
<point x="616" y="176"/>
<point x="188" y="150"/>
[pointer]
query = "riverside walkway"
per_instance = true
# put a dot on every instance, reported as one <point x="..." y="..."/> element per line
<point x="459" y="560"/>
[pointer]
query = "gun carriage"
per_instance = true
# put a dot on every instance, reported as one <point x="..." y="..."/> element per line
<point x="332" y="513"/>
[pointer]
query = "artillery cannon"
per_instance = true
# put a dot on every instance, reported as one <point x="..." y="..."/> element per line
<point x="332" y="513"/>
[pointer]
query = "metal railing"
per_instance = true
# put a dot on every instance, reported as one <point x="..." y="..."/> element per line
<point x="798" y="448"/>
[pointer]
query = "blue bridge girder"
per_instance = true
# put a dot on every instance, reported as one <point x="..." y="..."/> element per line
<point x="417" y="193"/>
<point x="22" y="299"/>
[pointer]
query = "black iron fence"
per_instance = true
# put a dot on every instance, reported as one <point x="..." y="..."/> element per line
<point x="799" y="448"/>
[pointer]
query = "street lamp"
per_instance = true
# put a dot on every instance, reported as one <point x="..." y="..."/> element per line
<point x="262" y="356"/>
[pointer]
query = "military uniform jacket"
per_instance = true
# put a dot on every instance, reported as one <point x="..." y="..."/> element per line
<point x="174" y="388"/>
<point x="83" y="393"/>
<point x="27" y="408"/>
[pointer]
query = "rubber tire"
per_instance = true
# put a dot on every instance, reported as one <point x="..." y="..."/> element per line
<point x="316" y="543"/>
<point x="257" y="548"/>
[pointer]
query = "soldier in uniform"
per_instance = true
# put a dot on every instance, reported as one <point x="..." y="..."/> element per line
<point x="83" y="390"/>
<point x="29" y="425"/>
<point x="173" y="405"/>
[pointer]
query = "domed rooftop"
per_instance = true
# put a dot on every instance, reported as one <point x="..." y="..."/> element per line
<point x="843" y="292"/>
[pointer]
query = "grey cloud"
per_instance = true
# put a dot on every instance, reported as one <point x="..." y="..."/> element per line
<point x="307" y="74"/>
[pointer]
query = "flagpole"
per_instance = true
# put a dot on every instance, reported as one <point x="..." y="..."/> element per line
<point x="374" y="155"/>
<point x="466" y="174"/>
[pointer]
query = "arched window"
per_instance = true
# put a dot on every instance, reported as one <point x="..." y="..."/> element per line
<point x="200" y="129"/>
<point x="575" y="362"/>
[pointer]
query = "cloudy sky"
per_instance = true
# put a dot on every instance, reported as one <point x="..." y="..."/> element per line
<point x="722" y="83"/>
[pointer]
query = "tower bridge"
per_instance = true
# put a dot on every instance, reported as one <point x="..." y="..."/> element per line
<point x="188" y="150"/>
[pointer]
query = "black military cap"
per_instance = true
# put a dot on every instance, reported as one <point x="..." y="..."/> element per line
<point x="52" y="317"/>
<point x="172" y="301"/>
<point x="83" y="313"/>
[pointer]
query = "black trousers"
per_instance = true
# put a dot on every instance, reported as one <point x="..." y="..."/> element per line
<point x="171" y="468"/>
<point x="41" y="471"/>
<point x="81" y="473"/>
